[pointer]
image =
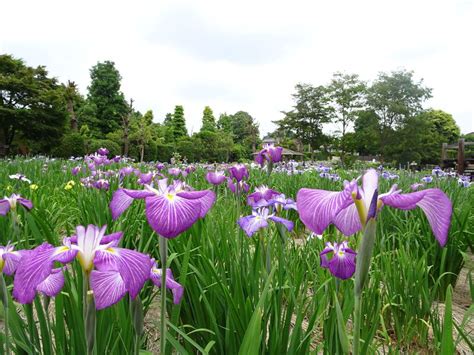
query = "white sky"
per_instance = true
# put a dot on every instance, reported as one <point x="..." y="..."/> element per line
<point x="246" y="55"/>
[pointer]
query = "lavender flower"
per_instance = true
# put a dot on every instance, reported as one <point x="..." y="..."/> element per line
<point x="10" y="203"/>
<point x="259" y="219"/>
<point x="170" y="209"/>
<point x="342" y="262"/>
<point x="348" y="209"/>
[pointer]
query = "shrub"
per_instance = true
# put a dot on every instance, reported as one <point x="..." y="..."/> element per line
<point x="114" y="148"/>
<point x="72" y="144"/>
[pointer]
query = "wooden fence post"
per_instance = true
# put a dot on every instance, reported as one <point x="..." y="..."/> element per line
<point x="461" y="156"/>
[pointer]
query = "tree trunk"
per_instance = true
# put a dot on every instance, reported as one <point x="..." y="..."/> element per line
<point x="70" y="109"/>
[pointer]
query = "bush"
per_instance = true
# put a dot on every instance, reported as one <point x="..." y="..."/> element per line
<point x="72" y="144"/>
<point x="164" y="152"/>
<point x="114" y="148"/>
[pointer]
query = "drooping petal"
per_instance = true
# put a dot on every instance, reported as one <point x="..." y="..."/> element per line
<point x="343" y="266"/>
<point x="276" y="153"/>
<point x="207" y="201"/>
<point x="106" y="239"/>
<point x="260" y="158"/>
<point x="348" y="221"/>
<point x="53" y="284"/>
<point x="120" y="202"/>
<point x="4" y="207"/>
<point x="36" y="265"/>
<point x="134" y="267"/>
<point x="26" y="203"/>
<point x="108" y="287"/>
<point x="288" y="224"/>
<point x="175" y="287"/>
<point x="251" y="224"/>
<point x="434" y="202"/>
<point x="169" y="217"/>
<point x="11" y="260"/>
<point x="317" y="208"/>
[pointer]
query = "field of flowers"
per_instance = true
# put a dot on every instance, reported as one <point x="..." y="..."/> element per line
<point x="258" y="260"/>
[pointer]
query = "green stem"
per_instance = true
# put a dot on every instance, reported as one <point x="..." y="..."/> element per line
<point x="364" y="256"/>
<point x="4" y="298"/>
<point x="357" y="318"/>
<point x="163" y="255"/>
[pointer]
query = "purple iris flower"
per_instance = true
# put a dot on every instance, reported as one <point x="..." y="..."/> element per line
<point x="261" y="193"/>
<point x="437" y="171"/>
<point x="174" y="171"/>
<point x="102" y="184"/>
<point x="103" y="151"/>
<point x="127" y="170"/>
<point x="9" y="259"/>
<point x="416" y="186"/>
<point x="237" y="187"/>
<point x="10" y="203"/>
<point x="427" y="179"/>
<point x="76" y="170"/>
<point x="145" y="178"/>
<point x="160" y="166"/>
<point x="117" y="159"/>
<point x="269" y="153"/>
<point x="238" y="172"/>
<point x="170" y="209"/>
<point x="342" y="262"/>
<point x="348" y="209"/>
<point x="281" y="202"/>
<point x="215" y="177"/>
<point x="112" y="271"/>
<point x="259" y="219"/>
<point x="155" y="277"/>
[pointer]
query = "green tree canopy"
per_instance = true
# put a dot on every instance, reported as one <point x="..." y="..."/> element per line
<point x="310" y="112"/>
<point x="106" y="103"/>
<point x="31" y="105"/>
<point x="208" y="120"/>
<point x="179" y="123"/>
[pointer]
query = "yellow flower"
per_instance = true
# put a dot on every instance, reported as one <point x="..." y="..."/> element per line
<point x="68" y="187"/>
<point x="71" y="182"/>
<point x="9" y="188"/>
<point x="33" y="187"/>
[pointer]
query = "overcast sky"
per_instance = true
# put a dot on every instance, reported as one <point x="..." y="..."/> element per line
<point x="246" y="55"/>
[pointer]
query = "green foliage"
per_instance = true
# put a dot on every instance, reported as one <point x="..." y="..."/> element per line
<point x="310" y="112"/>
<point x="72" y="145"/>
<point x="179" y="123"/>
<point x="208" y="120"/>
<point x="106" y="104"/>
<point x="31" y="105"/>
<point x="113" y="147"/>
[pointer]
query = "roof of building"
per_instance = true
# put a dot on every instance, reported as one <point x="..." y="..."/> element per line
<point x="286" y="152"/>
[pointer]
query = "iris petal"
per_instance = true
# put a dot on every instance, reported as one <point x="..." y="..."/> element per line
<point x="434" y="202"/>
<point x="169" y="217"/>
<point x="251" y="224"/>
<point x="108" y="286"/>
<point x="53" y="284"/>
<point x="348" y="221"/>
<point x="317" y="208"/>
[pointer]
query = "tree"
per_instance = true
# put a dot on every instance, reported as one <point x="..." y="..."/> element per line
<point x="72" y="96"/>
<point x="347" y="94"/>
<point x="105" y="97"/>
<point x="443" y="125"/>
<point x="310" y="112"/>
<point x="208" y="120"/>
<point x="31" y="103"/>
<point x="395" y="98"/>
<point x="367" y="133"/>
<point x="126" y="117"/>
<point x="224" y="123"/>
<point x="245" y="130"/>
<point x="144" y="131"/>
<point x="179" y="123"/>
